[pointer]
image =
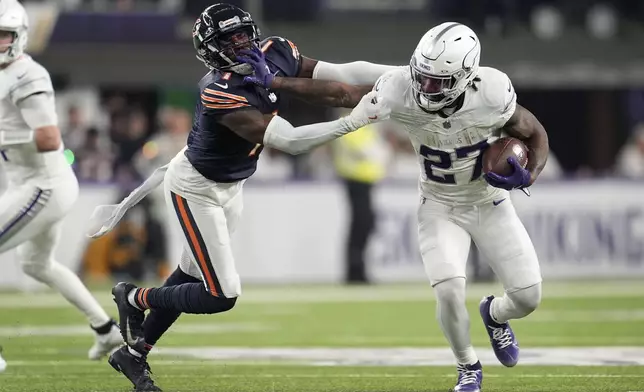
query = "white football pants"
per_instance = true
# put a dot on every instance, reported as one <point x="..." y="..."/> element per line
<point x="30" y="220"/>
<point x="208" y="213"/>
<point x="445" y="233"/>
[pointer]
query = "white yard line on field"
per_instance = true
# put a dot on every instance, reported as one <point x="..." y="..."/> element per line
<point x="409" y="356"/>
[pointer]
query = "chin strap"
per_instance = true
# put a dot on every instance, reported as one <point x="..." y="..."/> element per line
<point x="526" y="191"/>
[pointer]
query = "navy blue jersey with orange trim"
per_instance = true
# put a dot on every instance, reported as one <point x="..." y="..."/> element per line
<point x="215" y="151"/>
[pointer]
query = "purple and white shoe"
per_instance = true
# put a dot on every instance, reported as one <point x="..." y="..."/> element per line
<point x="504" y="343"/>
<point x="470" y="378"/>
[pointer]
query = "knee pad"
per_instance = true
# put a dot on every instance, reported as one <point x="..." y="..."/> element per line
<point x="527" y="299"/>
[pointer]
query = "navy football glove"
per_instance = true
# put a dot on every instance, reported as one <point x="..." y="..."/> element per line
<point x="262" y="76"/>
<point x="520" y="177"/>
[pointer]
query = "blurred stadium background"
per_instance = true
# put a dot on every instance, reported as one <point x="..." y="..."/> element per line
<point x="125" y="75"/>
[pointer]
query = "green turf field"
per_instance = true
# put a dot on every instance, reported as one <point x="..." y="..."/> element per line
<point x="324" y="338"/>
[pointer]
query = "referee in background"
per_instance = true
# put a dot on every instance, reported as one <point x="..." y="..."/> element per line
<point x="360" y="159"/>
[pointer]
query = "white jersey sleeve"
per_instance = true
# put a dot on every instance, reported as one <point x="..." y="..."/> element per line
<point x="30" y="78"/>
<point x="499" y="100"/>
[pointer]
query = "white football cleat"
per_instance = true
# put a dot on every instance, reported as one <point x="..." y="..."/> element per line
<point x="105" y="343"/>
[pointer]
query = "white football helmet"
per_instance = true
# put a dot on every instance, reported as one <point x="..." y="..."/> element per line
<point x="444" y="64"/>
<point x="13" y="18"/>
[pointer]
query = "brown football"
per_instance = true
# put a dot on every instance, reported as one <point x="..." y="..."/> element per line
<point x="495" y="158"/>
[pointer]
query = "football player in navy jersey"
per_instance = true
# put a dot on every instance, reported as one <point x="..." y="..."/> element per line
<point x="234" y="118"/>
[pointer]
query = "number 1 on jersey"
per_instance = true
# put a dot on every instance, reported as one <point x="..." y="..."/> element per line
<point x="442" y="160"/>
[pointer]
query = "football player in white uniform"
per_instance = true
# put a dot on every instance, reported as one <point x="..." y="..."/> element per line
<point x="452" y="110"/>
<point x="42" y="186"/>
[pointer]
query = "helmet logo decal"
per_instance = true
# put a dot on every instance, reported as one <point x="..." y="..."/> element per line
<point x="207" y="20"/>
<point x="426" y="67"/>
<point x="229" y="22"/>
<point x="195" y="31"/>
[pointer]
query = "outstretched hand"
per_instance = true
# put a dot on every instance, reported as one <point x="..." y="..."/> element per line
<point x="369" y="110"/>
<point x="262" y="75"/>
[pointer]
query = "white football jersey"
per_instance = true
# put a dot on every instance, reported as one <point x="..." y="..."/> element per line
<point x="18" y="154"/>
<point x="450" y="148"/>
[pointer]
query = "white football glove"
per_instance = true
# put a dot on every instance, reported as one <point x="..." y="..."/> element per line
<point x="369" y="110"/>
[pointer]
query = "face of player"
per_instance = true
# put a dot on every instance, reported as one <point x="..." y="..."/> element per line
<point x="6" y="39"/>
<point x="432" y="87"/>
<point x="231" y="43"/>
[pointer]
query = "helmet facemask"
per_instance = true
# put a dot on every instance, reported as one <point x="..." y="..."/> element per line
<point x="433" y="92"/>
<point x="8" y="39"/>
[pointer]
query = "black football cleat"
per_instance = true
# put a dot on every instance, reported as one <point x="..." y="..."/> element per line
<point x="135" y="369"/>
<point x="130" y="317"/>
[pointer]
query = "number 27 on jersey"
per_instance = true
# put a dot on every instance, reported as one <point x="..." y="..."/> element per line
<point x="437" y="159"/>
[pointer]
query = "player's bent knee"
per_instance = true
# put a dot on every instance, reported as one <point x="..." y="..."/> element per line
<point x="36" y="270"/>
<point x="219" y="305"/>
<point x="527" y="299"/>
<point x="451" y="291"/>
<point x="229" y="303"/>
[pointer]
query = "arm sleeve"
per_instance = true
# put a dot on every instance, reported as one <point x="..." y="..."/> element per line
<point x="357" y="72"/>
<point x="280" y="134"/>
